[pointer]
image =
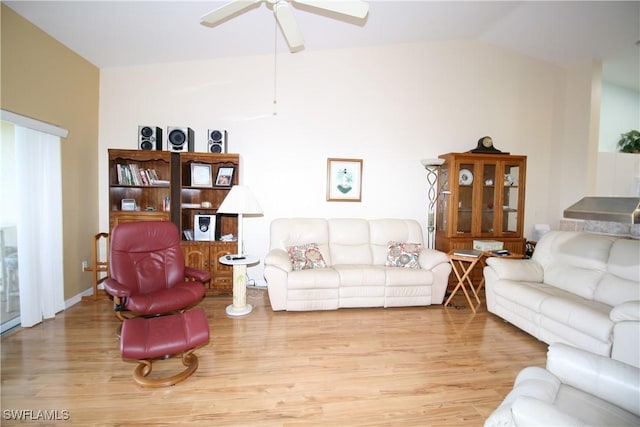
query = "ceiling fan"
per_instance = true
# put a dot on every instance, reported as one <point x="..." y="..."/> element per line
<point x="284" y="14"/>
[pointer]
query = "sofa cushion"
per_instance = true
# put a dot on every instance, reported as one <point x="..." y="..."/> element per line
<point x="304" y="257"/>
<point x="621" y="283"/>
<point x="623" y="259"/>
<point x="360" y="275"/>
<point x="349" y="241"/>
<point x="578" y="249"/>
<point x="403" y="254"/>
<point x="408" y="277"/>
<point x="577" y="280"/>
<point x="319" y="278"/>
<point x="528" y="294"/>
<point x="613" y="290"/>
<point x="589" y="317"/>
<point x="383" y="231"/>
<point x="287" y="232"/>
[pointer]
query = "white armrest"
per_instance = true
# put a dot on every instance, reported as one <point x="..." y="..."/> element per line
<point x="626" y="332"/>
<point x="609" y="379"/>
<point x="532" y="382"/>
<point x="279" y="258"/>
<point x="516" y="269"/>
<point x="430" y="258"/>
<point x="627" y="311"/>
<point x="529" y="411"/>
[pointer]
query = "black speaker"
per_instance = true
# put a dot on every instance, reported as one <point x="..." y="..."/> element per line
<point x="217" y="140"/>
<point x="179" y="139"/>
<point x="204" y="227"/>
<point x="149" y="138"/>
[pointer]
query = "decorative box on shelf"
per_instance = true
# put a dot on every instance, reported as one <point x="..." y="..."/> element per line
<point x="487" y="245"/>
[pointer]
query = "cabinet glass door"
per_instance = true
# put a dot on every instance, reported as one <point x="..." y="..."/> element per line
<point x="510" y="208"/>
<point x="465" y="197"/>
<point x="488" y="197"/>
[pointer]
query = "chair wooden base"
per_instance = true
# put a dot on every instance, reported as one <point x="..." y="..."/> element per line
<point x="140" y="374"/>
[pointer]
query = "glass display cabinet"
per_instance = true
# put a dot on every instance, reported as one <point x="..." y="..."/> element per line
<point x="481" y="197"/>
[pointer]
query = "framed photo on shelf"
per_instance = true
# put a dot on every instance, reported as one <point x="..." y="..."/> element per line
<point x="344" y="180"/>
<point x="225" y="176"/>
<point x="201" y="175"/>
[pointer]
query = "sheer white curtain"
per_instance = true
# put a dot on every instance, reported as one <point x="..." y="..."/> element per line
<point x="39" y="229"/>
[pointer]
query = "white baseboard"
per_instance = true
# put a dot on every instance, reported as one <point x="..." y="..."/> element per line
<point x="77" y="298"/>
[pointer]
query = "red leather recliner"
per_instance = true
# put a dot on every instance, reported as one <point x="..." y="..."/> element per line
<point x="147" y="274"/>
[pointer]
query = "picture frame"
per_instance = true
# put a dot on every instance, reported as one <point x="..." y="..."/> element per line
<point x="344" y="180"/>
<point x="224" y="178"/>
<point x="201" y="175"/>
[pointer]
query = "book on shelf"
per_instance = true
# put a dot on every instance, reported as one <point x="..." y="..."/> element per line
<point x="473" y="253"/>
<point x="132" y="174"/>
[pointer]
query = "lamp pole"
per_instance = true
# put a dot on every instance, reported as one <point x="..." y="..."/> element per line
<point x="432" y="166"/>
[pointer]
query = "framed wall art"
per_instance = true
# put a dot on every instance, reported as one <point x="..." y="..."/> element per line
<point x="225" y="176"/>
<point x="344" y="180"/>
<point x="201" y="175"/>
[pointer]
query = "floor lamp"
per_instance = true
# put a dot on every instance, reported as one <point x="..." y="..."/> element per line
<point x="432" y="166"/>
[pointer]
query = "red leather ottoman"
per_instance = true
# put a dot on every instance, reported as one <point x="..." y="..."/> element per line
<point x="147" y="339"/>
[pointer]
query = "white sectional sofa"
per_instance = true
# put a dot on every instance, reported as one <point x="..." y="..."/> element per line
<point x="357" y="268"/>
<point x="578" y="288"/>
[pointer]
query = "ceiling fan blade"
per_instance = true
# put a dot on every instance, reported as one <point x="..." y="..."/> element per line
<point x="288" y="25"/>
<point x="227" y="11"/>
<point x="355" y="8"/>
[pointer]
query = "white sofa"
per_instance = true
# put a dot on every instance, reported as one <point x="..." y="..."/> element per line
<point x="354" y="273"/>
<point x="578" y="288"/>
<point x="577" y="388"/>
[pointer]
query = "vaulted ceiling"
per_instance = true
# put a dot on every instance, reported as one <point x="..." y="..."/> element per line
<point x="125" y="33"/>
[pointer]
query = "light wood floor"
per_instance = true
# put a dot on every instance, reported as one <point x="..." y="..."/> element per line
<point x="351" y="367"/>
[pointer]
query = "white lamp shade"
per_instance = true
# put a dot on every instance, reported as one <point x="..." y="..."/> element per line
<point x="431" y="162"/>
<point x="240" y="200"/>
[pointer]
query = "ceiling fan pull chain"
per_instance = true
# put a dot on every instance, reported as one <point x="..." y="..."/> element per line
<point x="275" y="68"/>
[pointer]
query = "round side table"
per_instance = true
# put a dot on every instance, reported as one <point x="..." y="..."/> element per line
<point x="239" y="263"/>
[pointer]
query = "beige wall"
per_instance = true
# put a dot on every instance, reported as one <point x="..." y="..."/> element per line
<point x="43" y="79"/>
<point x="388" y="105"/>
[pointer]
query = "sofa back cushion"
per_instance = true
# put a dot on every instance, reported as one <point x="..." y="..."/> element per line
<point x="349" y="241"/>
<point x="384" y="231"/>
<point x="621" y="282"/>
<point x="287" y="232"/>
<point x="574" y="261"/>
<point x="594" y="266"/>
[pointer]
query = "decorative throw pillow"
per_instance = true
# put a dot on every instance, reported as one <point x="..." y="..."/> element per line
<point x="306" y="257"/>
<point x="402" y="254"/>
